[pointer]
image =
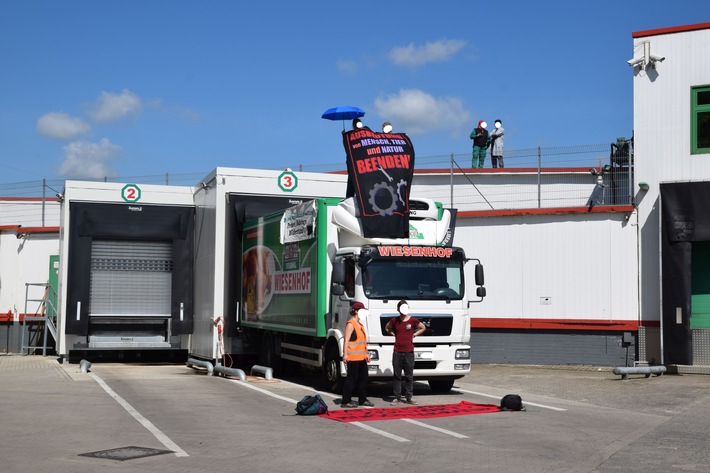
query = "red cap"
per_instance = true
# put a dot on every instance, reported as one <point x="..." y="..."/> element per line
<point x="358" y="306"/>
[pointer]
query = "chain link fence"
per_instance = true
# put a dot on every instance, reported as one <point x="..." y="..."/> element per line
<point x="542" y="177"/>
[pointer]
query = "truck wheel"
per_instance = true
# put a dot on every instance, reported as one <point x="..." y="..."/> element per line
<point x="441" y="385"/>
<point x="332" y="369"/>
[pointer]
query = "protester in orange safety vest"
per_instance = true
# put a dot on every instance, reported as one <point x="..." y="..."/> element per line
<point x="356" y="358"/>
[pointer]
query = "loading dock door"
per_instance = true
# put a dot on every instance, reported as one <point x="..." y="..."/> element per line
<point x="700" y="286"/>
<point x="148" y="249"/>
<point x="130" y="278"/>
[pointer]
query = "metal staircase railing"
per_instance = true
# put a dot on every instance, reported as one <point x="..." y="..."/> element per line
<point x="37" y="326"/>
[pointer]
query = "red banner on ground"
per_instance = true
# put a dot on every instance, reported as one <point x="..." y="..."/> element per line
<point x="411" y="412"/>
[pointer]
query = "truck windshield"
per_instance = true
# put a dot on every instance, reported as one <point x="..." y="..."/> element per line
<point x="413" y="279"/>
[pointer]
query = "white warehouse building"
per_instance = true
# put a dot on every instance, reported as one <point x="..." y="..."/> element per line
<point x="600" y="268"/>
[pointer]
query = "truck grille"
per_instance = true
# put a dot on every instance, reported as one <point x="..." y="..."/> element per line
<point x="437" y="325"/>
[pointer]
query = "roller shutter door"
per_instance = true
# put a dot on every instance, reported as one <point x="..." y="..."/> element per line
<point x="130" y="278"/>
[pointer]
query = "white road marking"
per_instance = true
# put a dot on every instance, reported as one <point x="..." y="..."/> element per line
<point x="293" y="401"/>
<point x="438" y="429"/>
<point x="261" y="390"/>
<point x="164" y="439"/>
<point x="498" y="397"/>
<point x="380" y="432"/>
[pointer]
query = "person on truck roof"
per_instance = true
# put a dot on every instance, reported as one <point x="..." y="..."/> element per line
<point x="356" y="358"/>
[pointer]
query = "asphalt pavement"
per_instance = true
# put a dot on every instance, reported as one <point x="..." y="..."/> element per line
<point x="173" y="418"/>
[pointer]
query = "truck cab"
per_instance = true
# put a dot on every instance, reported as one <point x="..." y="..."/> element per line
<point x="430" y="277"/>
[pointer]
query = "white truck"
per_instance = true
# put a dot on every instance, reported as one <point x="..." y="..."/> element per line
<point x="303" y="267"/>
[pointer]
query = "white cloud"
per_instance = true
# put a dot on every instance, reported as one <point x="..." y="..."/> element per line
<point x="109" y="107"/>
<point x="437" y="51"/>
<point x="84" y="160"/>
<point x="61" y="126"/>
<point x="414" y="111"/>
<point x="346" y="67"/>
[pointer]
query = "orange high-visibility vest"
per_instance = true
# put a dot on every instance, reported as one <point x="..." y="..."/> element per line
<point x="357" y="349"/>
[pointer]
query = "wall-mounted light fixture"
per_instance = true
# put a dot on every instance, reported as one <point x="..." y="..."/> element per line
<point x="643" y="186"/>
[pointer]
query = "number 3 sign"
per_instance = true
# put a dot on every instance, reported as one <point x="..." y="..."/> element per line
<point x="288" y="181"/>
<point x="131" y="193"/>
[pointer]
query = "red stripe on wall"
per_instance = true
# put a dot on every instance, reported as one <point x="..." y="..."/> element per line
<point x="670" y="30"/>
<point x="27" y="199"/>
<point x="553" y="324"/>
<point x="548" y="211"/>
<point x="21" y="229"/>
<point x="10" y="317"/>
<point x="38" y="229"/>
<point x="566" y="170"/>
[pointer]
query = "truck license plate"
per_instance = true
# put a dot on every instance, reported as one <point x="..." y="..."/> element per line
<point x="423" y="355"/>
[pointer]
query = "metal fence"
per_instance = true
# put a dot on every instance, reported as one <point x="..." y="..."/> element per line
<point x="542" y="177"/>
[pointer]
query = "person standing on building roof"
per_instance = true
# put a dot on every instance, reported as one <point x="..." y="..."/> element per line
<point x="404" y="328"/>
<point x="480" y="138"/>
<point x="497" y="145"/>
<point x="356" y="358"/>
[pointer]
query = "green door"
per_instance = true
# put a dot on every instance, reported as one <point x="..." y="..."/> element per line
<point x="700" y="286"/>
<point x="53" y="286"/>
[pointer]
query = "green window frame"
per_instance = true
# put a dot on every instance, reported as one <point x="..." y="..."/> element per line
<point x="700" y="119"/>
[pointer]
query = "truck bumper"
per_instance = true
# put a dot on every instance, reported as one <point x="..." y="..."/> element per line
<point x="429" y="362"/>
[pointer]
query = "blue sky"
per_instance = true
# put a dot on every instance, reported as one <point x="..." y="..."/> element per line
<point x="135" y="88"/>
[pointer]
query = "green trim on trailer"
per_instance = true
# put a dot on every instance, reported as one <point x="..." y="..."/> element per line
<point x="323" y="276"/>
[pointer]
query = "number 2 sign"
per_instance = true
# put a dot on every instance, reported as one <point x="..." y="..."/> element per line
<point x="131" y="193"/>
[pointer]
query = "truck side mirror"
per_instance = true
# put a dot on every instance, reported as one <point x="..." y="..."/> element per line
<point x="338" y="274"/>
<point x="481" y="292"/>
<point x="480" y="280"/>
<point x="338" y="289"/>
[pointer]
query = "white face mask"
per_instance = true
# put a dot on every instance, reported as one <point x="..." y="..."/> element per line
<point x="404" y="309"/>
<point x="497" y="124"/>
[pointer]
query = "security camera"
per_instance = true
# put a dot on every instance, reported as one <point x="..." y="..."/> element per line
<point x="657" y="58"/>
<point x="635" y="62"/>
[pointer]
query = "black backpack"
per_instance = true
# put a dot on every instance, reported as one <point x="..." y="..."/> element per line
<point x="512" y="402"/>
<point x="311" y="405"/>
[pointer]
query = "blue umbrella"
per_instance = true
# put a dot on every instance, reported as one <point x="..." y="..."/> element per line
<point x="343" y="113"/>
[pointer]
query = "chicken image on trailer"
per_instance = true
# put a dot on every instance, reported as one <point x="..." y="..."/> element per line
<point x="303" y="267"/>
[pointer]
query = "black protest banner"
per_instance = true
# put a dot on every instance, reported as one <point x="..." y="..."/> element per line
<point x="380" y="170"/>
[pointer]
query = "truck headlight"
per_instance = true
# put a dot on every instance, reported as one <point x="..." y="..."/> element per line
<point x="372" y="368"/>
<point x="374" y="356"/>
<point x="462" y="366"/>
<point x="463" y="354"/>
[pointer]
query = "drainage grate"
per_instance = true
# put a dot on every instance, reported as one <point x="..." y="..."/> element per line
<point x="125" y="453"/>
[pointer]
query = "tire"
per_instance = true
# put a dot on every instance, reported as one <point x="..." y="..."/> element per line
<point x="331" y="367"/>
<point x="441" y="385"/>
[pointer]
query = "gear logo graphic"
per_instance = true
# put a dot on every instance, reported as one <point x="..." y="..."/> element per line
<point x="383" y="199"/>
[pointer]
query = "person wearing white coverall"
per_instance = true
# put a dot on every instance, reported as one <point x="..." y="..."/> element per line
<point x="497" y="145"/>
